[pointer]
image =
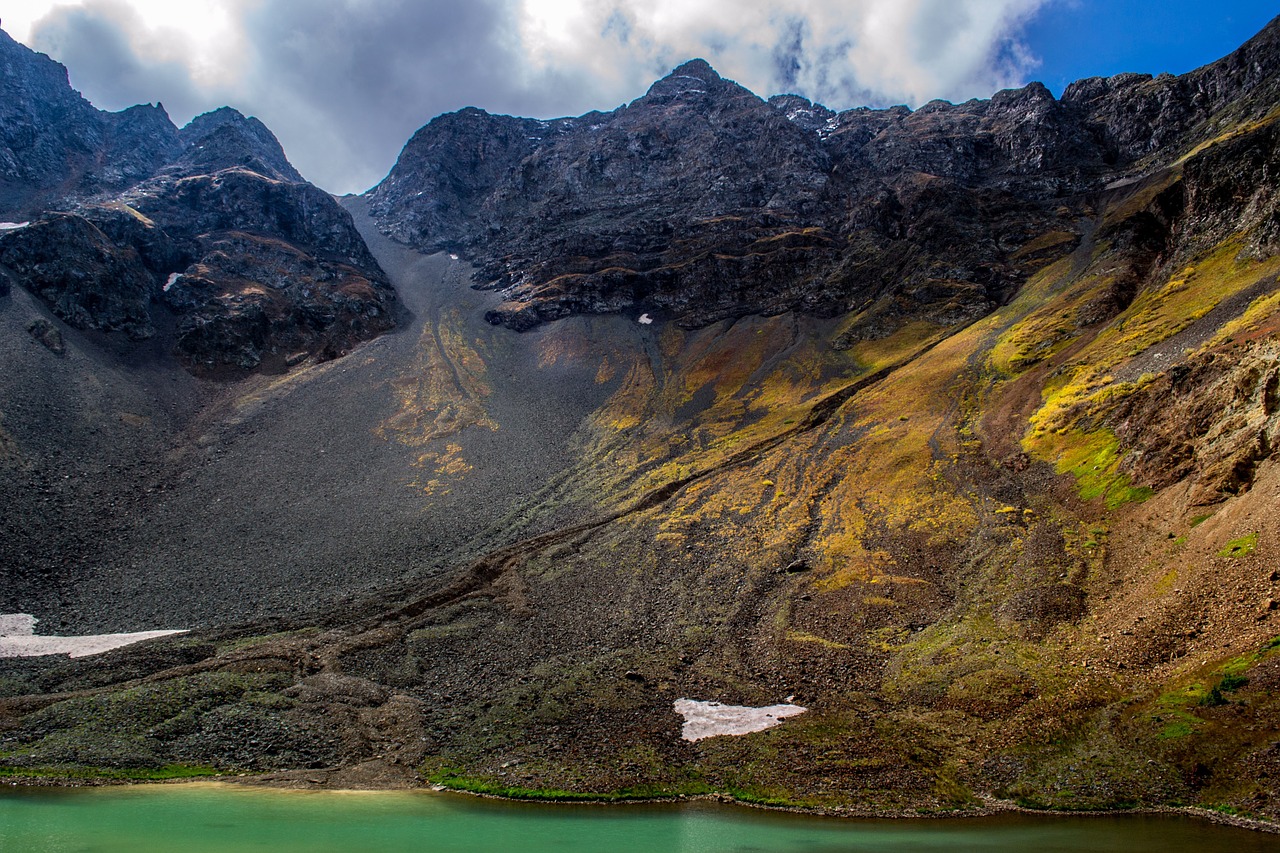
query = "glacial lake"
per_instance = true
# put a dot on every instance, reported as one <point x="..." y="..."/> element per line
<point x="210" y="817"/>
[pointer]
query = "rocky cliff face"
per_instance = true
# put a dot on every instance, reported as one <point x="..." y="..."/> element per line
<point x="701" y="201"/>
<point x="210" y="222"/>
<point x="88" y="279"/>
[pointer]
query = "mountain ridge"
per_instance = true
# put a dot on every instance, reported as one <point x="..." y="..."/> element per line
<point x="855" y="185"/>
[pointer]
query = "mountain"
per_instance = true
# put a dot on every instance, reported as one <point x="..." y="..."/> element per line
<point x="956" y="427"/>
<point x="701" y="201"/>
<point x="208" y="224"/>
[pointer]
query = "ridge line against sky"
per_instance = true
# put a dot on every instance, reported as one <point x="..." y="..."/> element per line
<point x="345" y="83"/>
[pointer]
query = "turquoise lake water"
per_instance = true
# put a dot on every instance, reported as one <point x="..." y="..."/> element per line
<point x="226" y="818"/>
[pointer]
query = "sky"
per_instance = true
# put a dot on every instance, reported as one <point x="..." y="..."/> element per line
<point x="345" y="83"/>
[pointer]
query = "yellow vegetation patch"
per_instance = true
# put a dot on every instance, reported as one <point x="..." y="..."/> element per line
<point x="1158" y="314"/>
<point x="444" y="391"/>
<point x="1049" y="240"/>
<point x="873" y="355"/>
<point x="975" y="658"/>
<point x="805" y="637"/>
<point x="447" y="465"/>
<point x="1049" y="321"/>
<point x="1093" y="458"/>
<point x="136" y="214"/>
<point x="1088" y="390"/>
<point x="1259" y="311"/>
<point x="704" y="396"/>
<point x="847" y="568"/>
<point x="606" y="371"/>
<point x="900" y="464"/>
<point x="1143" y="195"/>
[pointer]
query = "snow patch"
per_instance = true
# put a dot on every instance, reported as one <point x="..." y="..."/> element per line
<point x="18" y="639"/>
<point x="709" y="719"/>
<point x="644" y="320"/>
<point x="173" y="279"/>
<point x="13" y="226"/>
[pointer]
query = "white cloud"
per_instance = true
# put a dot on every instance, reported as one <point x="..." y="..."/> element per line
<point x="204" y="37"/>
<point x="840" y="52"/>
<point x="344" y="83"/>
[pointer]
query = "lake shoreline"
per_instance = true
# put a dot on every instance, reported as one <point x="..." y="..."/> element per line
<point x="991" y="806"/>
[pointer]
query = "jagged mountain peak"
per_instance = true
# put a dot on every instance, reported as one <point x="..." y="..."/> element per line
<point x="57" y="148"/>
<point x="693" y="78"/>
<point x="1032" y="92"/>
<point x="226" y="138"/>
<point x="21" y="61"/>
<point x="212" y="220"/>
<point x="698" y="68"/>
<point x="208" y="122"/>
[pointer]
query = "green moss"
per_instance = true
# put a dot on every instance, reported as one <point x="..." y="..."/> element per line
<point x="1094" y="460"/>
<point x="457" y="780"/>
<point x="1232" y="682"/>
<point x="257" y="640"/>
<point x="135" y="727"/>
<point x="1172" y="710"/>
<point x="1222" y="808"/>
<point x="1241" y="547"/>
<point x="949" y="789"/>
<point x="1176" y="729"/>
<point x="1214" y="697"/>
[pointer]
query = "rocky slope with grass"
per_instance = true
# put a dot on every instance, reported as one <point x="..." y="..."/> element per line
<point x="956" y="427"/>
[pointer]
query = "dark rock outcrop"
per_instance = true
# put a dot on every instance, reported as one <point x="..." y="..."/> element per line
<point x="47" y="335"/>
<point x="250" y="299"/>
<point x="87" y="279"/>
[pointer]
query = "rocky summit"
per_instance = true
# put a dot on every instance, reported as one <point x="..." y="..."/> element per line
<point x="876" y="462"/>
